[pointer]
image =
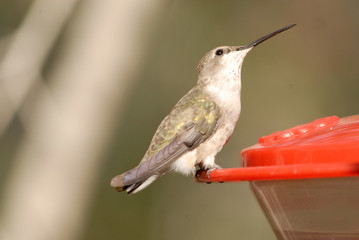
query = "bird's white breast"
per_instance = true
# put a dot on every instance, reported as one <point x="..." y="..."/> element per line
<point x="230" y="104"/>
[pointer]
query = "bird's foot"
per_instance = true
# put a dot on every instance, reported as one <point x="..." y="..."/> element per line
<point x="207" y="171"/>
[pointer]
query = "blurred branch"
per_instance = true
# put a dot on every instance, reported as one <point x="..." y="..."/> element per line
<point x="20" y="68"/>
<point x="47" y="194"/>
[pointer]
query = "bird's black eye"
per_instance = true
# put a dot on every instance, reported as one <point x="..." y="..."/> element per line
<point x="219" y="52"/>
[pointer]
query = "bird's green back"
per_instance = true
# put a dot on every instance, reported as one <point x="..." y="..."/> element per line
<point x="196" y="108"/>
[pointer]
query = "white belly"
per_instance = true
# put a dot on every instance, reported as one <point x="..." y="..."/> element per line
<point x="186" y="164"/>
<point x="206" y="152"/>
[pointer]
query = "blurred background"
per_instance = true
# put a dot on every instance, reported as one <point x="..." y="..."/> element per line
<point x="84" y="85"/>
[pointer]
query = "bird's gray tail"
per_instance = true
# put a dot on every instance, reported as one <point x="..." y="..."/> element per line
<point x="121" y="183"/>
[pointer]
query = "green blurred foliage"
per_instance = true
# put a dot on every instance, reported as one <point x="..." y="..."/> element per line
<point x="11" y="15"/>
<point x="306" y="73"/>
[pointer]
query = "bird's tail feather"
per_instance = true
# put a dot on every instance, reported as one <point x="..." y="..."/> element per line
<point x="118" y="183"/>
<point x="132" y="188"/>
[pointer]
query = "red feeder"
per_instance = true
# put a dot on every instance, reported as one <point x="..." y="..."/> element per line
<point x="305" y="178"/>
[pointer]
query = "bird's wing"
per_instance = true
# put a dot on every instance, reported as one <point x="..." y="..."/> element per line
<point x="193" y="120"/>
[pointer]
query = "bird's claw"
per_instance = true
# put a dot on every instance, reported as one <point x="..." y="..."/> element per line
<point x="199" y="171"/>
<point x="209" y="172"/>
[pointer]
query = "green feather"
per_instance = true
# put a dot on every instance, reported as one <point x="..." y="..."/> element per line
<point x="195" y="108"/>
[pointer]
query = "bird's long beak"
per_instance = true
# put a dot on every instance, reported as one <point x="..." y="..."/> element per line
<point x="262" y="39"/>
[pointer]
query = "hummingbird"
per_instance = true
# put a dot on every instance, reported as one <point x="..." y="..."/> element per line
<point x="199" y="125"/>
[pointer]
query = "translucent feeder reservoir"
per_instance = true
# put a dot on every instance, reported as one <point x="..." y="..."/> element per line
<point x="306" y="179"/>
